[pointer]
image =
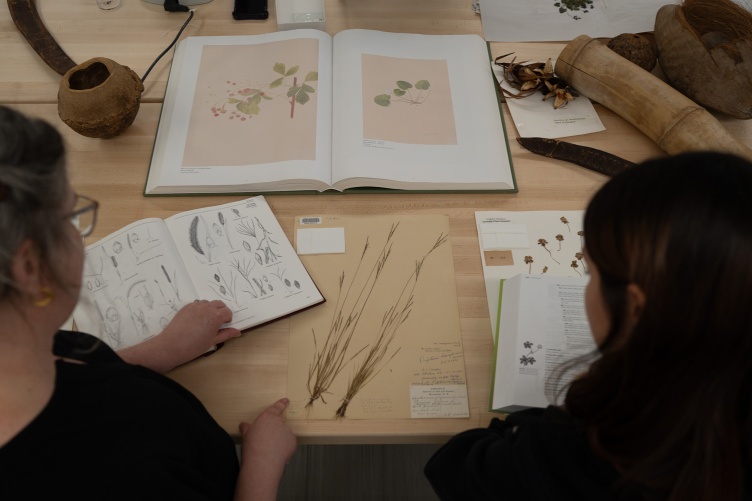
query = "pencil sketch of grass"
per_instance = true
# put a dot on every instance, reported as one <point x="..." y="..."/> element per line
<point x="332" y="356"/>
<point x="378" y="355"/>
<point x="244" y="269"/>
<point x="264" y="251"/>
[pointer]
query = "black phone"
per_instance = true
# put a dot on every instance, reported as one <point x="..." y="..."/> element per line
<point x="250" y="9"/>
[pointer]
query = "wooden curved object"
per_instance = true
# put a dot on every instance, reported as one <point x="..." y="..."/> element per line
<point x="28" y="22"/>
<point x="716" y="77"/>
<point x="676" y="123"/>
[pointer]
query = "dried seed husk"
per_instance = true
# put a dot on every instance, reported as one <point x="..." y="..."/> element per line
<point x="713" y="68"/>
<point x="635" y="48"/>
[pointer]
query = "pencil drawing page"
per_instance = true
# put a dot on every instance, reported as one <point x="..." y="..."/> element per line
<point x="238" y="253"/>
<point x="132" y="285"/>
<point x="136" y="279"/>
<point x="387" y="343"/>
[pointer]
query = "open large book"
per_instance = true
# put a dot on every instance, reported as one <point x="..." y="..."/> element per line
<point x="136" y="279"/>
<point x="542" y="324"/>
<point x="301" y="110"/>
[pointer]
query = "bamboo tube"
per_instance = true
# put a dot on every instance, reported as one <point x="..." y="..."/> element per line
<point x="675" y="122"/>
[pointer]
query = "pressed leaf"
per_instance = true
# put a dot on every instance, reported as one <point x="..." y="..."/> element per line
<point x="312" y="76"/>
<point x="279" y="68"/>
<point x="404" y="85"/>
<point x="422" y="84"/>
<point x="302" y="97"/>
<point x="264" y="96"/>
<point x="276" y="83"/>
<point x="383" y="100"/>
<point x="308" y="88"/>
<point x="292" y="71"/>
<point x="398" y="92"/>
<point x="232" y="100"/>
<point x="293" y="91"/>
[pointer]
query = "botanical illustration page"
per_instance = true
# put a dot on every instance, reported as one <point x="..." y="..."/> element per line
<point x="413" y="107"/>
<point x="387" y="343"/>
<point x="407" y="100"/>
<point x="133" y="284"/>
<point x="247" y="109"/>
<point x="242" y="114"/>
<point x="238" y="253"/>
<point x="136" y="279"/>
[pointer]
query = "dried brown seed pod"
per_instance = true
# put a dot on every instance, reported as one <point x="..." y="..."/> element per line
<point x="636" y="48"/>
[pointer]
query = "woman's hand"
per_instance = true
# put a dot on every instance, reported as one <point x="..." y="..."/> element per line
<point x="195" y="329"/>
<point x="267" y="445"/>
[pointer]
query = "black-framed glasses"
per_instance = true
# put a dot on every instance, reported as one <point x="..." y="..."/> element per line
<point x="84" y="215"/>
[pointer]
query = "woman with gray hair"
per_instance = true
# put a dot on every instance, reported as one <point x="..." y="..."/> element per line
<point x="78" y="420"/>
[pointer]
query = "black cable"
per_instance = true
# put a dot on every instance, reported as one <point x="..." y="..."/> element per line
<point x="174" y="6"/>
<point x="190" y="16"/>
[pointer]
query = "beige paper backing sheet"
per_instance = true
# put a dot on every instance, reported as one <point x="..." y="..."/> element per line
<point x="420" y="371"/>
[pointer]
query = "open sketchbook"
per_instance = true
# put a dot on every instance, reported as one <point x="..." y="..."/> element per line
<point x="387" y="344"/>
<point x="542" y="325"/>
<point x="300" y="110"/>
<point x="136" y="279"/>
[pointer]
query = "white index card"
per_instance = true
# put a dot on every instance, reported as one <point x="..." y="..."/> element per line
<point x="501" y="235"/>
<point x="320" y="241"/>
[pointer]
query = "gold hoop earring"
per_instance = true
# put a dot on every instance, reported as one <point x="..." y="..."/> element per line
<point x="46" y="300"/>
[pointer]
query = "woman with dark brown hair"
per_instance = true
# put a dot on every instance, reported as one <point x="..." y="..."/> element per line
<point x="663" y="410"/>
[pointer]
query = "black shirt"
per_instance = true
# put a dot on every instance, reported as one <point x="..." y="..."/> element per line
<point x="534" y="454"/>
<point x="117" y="431"/>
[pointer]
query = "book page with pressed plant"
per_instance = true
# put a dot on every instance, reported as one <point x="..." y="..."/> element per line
<point x="387" y="343"/>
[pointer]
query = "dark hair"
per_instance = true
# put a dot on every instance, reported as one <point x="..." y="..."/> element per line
<point x="668" y="401"/>
<point x="33" y="189"/>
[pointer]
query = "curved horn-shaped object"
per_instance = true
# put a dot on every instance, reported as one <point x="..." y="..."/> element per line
<point x="675" y="122"/>
<point x="28" y="22"/>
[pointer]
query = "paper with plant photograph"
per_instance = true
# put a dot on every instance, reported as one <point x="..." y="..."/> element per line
<point x="387" y="343"/>
<point x="563" y="20"/>
<point x="532" y="242"/>
<point x="535" y="117"/>
<point x="411" y="108"/>
<point x="407" y="100"/>
<point x="543" y="324"/>
<point x="246" y="109"/>
<point x="243" y="112"/>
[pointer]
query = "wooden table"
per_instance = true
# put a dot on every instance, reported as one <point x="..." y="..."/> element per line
<point x="251" y="372"/>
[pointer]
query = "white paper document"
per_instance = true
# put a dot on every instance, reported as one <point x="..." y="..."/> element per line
<point x="563" y="20"/>
<point x="512" y="242"/>
<point x="534" y="117"/>
<point x="542" y="325"/>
